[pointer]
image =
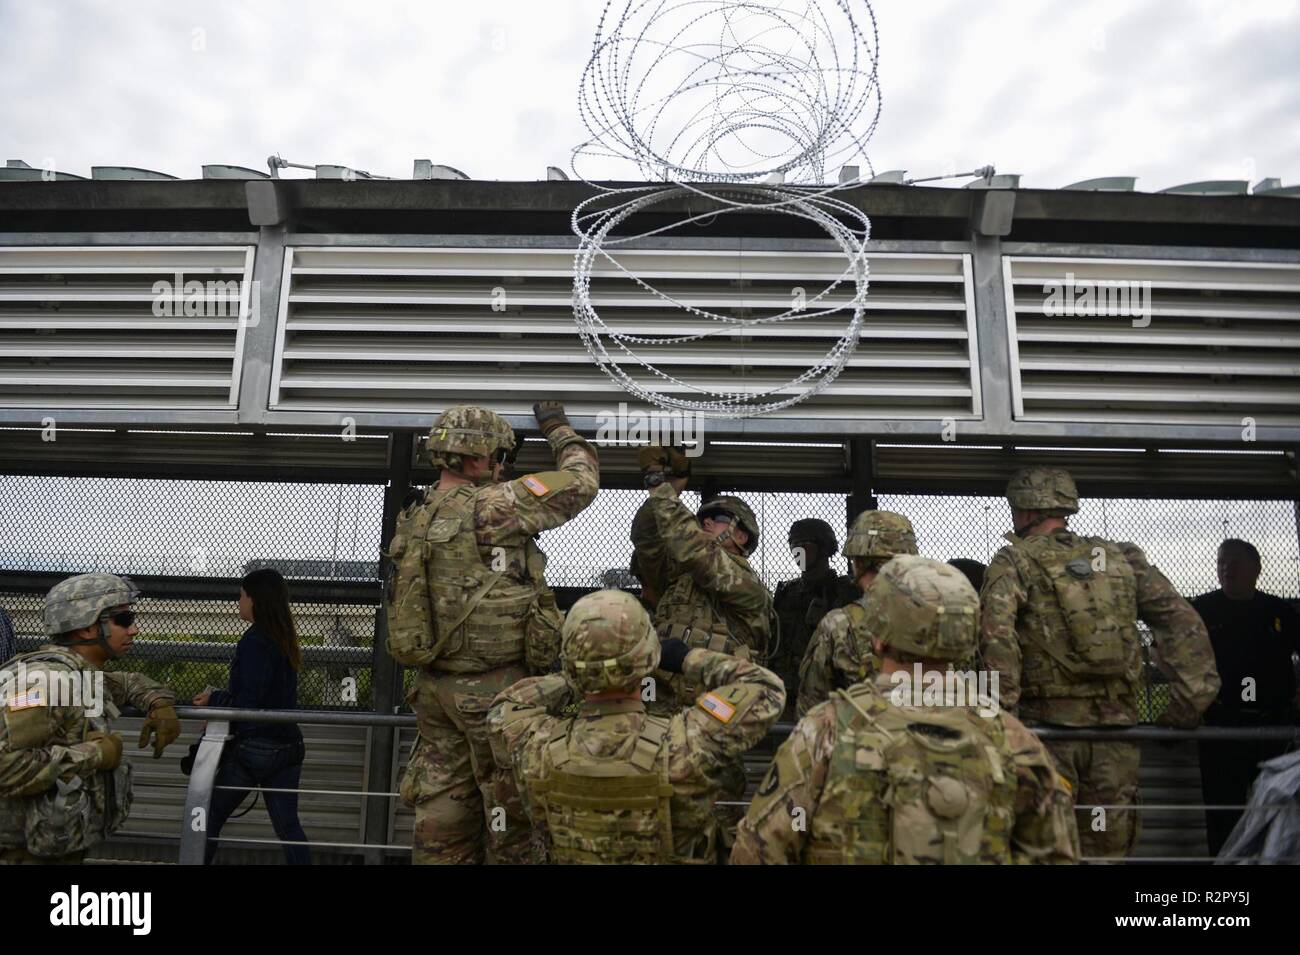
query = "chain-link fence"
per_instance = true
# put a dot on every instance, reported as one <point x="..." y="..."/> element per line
<point x="187" y="544"/>
<point x="199" y="537"/>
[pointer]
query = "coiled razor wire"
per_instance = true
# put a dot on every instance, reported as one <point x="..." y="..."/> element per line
<point x="725" y="101"/>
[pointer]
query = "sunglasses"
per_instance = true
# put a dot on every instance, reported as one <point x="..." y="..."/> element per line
<point x="505" y="456"/>
<point x="720" y="517"/>
<point x="124" y="619"/>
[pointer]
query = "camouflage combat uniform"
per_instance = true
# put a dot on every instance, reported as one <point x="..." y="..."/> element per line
<point x="864" y="780"/>
<point x="459" y="794"/>
<point x="611" y="783"/>
<point x="1059" y="624"/>
<point x="839" y="653"/>
<point x="716" y="601"/>
<point x="55" y="800"/>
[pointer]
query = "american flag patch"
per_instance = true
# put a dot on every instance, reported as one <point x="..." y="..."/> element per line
<point x="717" y="707"/>
<point x="535" y="486"/>
<point x="25" y="701"/>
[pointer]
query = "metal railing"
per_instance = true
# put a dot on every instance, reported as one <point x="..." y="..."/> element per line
<point x="202" y="780"/>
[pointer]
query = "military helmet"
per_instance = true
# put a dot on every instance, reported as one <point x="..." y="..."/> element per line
<point x="923" y="607"/>
<point x="608" y="642"/>
<point x="739" y="510"/>
<point x="880" y="534"/>
<point x="79" y="601"/>
<point x="468" y="430"/>
<point x="1050" y="490"/>
<point x="815" y="530"/>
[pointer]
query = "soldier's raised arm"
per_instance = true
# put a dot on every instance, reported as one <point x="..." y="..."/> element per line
<point x="775" y="829"/>
<point x="538" y="502"/>
<point x="1045" y="831"/>
<point x="694" y="552"/>
<point x="1000" y="602"/>
<point x="1180" y="636"/>
<point x="740" y="703"/>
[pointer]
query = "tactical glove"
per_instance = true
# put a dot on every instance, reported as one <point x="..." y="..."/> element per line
<point x="667" y="462"/>
<point x="672" y="654"/>
<point x="550" y="415"/>
<point x="110" y="749"/>
<point x="164" y="725"/>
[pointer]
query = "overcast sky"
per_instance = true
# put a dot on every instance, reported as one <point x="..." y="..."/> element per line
<point x="1168" y="90"/>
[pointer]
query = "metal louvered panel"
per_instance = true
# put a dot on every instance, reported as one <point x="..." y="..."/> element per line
<point x="1154" y="341"/>
<point x="92" y="327"/>
<point x="415" y="329"/>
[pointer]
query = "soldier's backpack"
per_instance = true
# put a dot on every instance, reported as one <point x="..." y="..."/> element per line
<point x="607" y="811"/>
<point x="75" y="815"/>
<point x="913" y="785"/>
<point x="1086" y="593"/>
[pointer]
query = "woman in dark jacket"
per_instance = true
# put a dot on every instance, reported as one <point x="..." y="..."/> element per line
<point x="264" y="675"/>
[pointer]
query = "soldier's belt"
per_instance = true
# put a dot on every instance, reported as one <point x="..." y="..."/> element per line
<point x="703" y="639"/>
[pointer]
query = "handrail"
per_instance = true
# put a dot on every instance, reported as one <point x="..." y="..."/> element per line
<point x="198" y="795"/>
<point x="1139" y="733"/>
<point x="202" y="782"/>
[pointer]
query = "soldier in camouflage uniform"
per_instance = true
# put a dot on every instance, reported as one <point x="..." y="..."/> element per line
<point x="1060" y="618"/>
<point x="802" y="603"/>
<point x="64" y="786"/>
<point x="649" y="561"/>
<point x="716" y="600"/>
<point x="840" y="654"/>
<point x="610" y="783"/>
<point x="875" y="777"/>
<point x="470" y="607"/>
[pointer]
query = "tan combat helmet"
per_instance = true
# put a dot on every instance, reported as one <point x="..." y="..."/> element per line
<point x="1050" y="490"/>
<point x="468" y="430"/>
<point x="81" y="601"/>
<point x="880" y="535"/>
<point x="608" y="642"/>
<point x="739" y="511"/>
<point x="925" y="608"/>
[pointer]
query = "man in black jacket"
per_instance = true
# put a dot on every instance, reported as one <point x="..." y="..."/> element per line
<point x="1254" y="635"/>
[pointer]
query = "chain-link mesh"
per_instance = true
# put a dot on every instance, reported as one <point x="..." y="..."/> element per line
<point x="329" y="534"/>
<point x="193" y="532"/>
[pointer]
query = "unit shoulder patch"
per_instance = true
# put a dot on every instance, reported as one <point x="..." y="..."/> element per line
<point x="535" y="485"/>
<point x="26" y="700"/>
<point x="717" y="707"/>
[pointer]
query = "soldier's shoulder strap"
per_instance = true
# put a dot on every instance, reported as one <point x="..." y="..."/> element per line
<point x="645" y="753"/>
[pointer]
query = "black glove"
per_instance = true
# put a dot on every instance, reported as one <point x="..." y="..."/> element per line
<point x="672" y="654"/>
<point x="550" y="415"/>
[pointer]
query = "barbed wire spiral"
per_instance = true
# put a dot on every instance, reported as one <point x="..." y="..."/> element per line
<point x="735" y="106"/>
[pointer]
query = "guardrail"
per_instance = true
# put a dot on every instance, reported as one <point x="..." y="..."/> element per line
<point x="217" y="733"/>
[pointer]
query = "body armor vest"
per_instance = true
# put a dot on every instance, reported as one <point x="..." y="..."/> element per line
<point x="913" y="785"/>
<point x="451" y="610"/>
<point x="1078" y="627"/>
<point x="608" y="810"/>
<point x="686" y="606"/>
<point x="74" y="815"/>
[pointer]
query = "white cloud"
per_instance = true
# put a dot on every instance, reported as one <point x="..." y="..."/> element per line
<point x="1165" y="90"/>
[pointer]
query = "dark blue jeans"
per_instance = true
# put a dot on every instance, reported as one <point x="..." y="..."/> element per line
<point x="255" y="761"/>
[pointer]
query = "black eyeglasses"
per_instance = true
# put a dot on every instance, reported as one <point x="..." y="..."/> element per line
<point x="505" y="456"/>
<point x="720" y="517"/>
<point x="124" y="619"/>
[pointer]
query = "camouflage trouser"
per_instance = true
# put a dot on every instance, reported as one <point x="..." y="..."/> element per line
<point x="465" y="806"/>
<point x="1102" y="774"/>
